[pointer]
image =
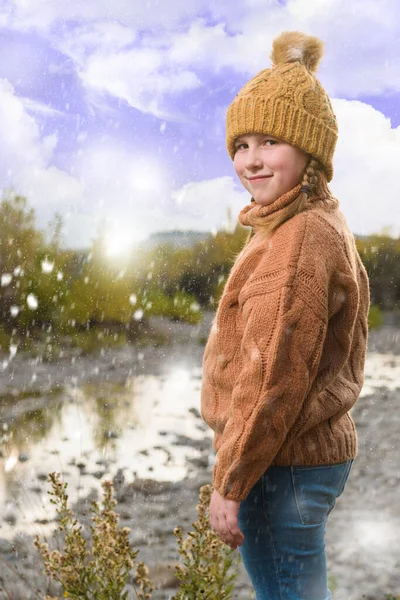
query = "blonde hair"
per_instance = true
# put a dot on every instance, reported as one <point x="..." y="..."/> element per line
<point x="315" y="180"/>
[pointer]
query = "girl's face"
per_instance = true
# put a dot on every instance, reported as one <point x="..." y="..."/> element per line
<point x="267" y="166"/>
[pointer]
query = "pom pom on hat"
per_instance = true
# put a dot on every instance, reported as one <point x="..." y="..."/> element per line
<point x="295" y="46"/>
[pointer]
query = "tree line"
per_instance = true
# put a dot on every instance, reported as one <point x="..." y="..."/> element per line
<point x="49" y="292"/>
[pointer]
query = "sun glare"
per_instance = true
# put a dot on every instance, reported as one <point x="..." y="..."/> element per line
<point x="147" y="176"/>
<point x="119" y="243"/>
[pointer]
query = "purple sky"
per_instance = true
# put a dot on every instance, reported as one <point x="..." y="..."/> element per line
<point x="117" y="112"/>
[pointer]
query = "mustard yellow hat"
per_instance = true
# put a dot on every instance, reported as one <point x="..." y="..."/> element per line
<point x="287" y="101"/>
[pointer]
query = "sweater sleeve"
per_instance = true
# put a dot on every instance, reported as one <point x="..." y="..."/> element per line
<point x="281" y="348"/>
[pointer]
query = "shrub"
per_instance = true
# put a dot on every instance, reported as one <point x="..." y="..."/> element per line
<point x="101" y="571"/>
<point x="97" y="574"/>
<point x="207" y="561"/>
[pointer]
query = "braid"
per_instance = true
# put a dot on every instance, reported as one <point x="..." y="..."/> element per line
<point x="311" y="175"/>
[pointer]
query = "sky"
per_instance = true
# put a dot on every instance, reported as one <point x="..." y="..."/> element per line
<point x="114" y="110"/>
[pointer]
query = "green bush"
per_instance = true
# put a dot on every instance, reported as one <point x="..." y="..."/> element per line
<point x="375" y="317"/>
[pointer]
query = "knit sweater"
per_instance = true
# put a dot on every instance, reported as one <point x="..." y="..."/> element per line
<point x="284" y="361"/>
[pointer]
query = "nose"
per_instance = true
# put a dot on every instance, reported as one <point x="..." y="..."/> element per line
<point x="253" y="159"/>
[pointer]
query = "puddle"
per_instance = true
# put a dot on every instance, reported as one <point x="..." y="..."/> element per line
<point x="89" y="432"/>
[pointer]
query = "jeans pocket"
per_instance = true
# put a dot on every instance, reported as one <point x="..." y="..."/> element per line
<point x="316" y="490"/>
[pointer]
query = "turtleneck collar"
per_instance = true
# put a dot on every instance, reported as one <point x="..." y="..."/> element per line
<point x="265" y="211"/>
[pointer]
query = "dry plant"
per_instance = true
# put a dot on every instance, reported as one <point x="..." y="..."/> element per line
<point x="209" y="566"/>
<point x="101" y="572"/>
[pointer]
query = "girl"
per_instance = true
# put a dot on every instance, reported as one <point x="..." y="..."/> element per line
<point x="284" y="362"/>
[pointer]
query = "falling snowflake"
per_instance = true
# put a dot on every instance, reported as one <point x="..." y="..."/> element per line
<point x="47" y="265"/>
<point x="138" y="314"/>
<point x="195" y="307"/>
<point x="13" y="350"/>
<point x="17" y="271"/>
<point x="59" y="276"/>
<point x="32" y="301"/>
<point x="6" y="279"/>
<point x="14" y="311"/>
<point x="132" y="299"/>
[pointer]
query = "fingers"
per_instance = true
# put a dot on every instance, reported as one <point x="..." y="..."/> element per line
<point x="224" y="520"/>
<point x="230" y="534"/>
<point x="234" y="529"/>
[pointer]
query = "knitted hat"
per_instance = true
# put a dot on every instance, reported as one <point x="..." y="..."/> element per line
<point x="287" y="101"/>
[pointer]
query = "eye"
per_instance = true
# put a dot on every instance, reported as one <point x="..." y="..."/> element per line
<point x="271" y="142"/>
<point x="240" y="146"/>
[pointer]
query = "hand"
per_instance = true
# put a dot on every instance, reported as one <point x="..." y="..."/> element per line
<point x="224" y="520"/>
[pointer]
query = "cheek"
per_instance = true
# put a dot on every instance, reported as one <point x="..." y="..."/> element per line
<point x="292" y="166"/>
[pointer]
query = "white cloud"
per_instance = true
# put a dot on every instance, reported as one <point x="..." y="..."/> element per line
<point x="26" y="156"/>
<point x="366" y="168"/>
<point x="88" y="36"/>
<point x="205" y="204"/>
<point x="138" y="76"/>
<point x="360" y="38"/>
<point x="39" y="107"/>
<point x="45" y="14"/>
<point x="127" y="188"/>
<point x="179" y="46"/>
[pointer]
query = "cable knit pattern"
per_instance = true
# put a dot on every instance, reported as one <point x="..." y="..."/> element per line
<point x="284" y="362"/>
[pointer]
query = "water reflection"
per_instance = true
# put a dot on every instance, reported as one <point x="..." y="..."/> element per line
<point x="89" y="432"/>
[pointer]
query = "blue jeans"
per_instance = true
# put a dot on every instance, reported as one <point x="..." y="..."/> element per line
<point x="283" y="520"/>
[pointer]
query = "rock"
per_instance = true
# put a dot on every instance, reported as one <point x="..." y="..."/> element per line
<point x="23" y="457"/>
<point x="195" y="412"/>
<point x="198" y="461"/>
<point x="202" y="426"/>
<point x="10" y="518"/>
<point x="42" y="521"/>
<point x="42" y="476"/>
<point x="183" y="440"/>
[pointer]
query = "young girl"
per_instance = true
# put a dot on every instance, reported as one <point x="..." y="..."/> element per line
<point x="284" y="362"/>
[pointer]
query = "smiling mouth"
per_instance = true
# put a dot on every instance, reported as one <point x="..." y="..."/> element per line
<point x="256" y="179"/>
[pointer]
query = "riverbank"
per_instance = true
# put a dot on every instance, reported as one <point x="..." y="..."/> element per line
<point x="363" y="546"/>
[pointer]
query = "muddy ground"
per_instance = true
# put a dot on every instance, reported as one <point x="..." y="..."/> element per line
<point x="363" y="534"/>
